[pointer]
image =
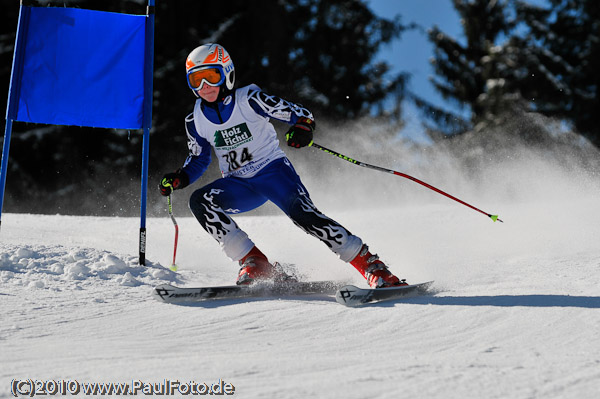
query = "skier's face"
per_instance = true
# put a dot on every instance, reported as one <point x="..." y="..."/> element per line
<point x="209" y="93"/>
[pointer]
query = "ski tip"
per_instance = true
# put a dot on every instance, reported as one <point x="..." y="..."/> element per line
<point x="351" y="296"/>
<point x="161" y="291"/>
<point x="495" y="218"/>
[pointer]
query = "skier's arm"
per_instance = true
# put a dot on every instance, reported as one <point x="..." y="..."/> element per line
<point x="274" y="107"/>
<point x="301" y="119"/>
<point x="195" y="165"/>
<point x="199" y="156"/>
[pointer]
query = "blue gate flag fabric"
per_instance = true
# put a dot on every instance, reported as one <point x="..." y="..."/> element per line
<point x="80" y="67"/>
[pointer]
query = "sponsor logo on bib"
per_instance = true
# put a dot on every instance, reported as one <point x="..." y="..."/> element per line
<point x="233" y="137"/>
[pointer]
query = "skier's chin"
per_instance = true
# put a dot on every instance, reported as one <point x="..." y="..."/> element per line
<point x="210" y="99"/>
<point x="210" y="94"/>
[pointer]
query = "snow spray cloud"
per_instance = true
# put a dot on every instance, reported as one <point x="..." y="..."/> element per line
<point x="531" y="160"/>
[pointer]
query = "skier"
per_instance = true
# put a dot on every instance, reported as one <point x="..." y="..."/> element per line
<point x="235" y="123"/>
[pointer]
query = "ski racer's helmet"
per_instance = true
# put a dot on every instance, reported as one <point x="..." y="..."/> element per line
<point x="210" y="64"/>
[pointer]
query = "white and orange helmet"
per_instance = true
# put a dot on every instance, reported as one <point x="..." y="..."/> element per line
<point x="210" y="64"/>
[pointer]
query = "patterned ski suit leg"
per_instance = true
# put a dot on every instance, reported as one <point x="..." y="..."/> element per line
<point x="212" y="204"/>
<point x="288" y="193"/>
<point x="306" y="216"/>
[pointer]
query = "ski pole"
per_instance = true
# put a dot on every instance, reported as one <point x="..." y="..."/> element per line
<point x="437" y="190"/>
<point x="173" y="266"/>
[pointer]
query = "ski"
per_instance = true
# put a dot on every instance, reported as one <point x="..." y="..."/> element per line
<point x="172" y="294"/>
<point x="352" y="296"/>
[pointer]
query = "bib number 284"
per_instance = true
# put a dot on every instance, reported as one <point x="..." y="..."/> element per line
<point x="236" y="160"/>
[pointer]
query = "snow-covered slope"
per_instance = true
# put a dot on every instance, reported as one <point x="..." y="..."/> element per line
<point x="516" y="311"/>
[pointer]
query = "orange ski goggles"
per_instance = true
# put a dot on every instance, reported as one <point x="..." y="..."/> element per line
<point x="211" y="75"/>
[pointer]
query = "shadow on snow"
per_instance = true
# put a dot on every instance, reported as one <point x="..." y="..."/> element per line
<point x="535" y="301"/>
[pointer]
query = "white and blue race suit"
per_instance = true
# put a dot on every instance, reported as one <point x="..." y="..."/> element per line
<point x="254" y="169"/>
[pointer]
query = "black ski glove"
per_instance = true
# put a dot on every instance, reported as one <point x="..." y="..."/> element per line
<point x="173" y="181"/>
<point x="301" y="134"/>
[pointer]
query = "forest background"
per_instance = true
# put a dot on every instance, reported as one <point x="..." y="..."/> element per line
<point x="522" y="75"/>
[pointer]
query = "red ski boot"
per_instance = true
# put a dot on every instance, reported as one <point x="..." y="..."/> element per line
<point x="374" y="270"/>
<point x="254" y="266"/>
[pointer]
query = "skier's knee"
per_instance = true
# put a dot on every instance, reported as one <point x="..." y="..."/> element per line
<point x="196" y="201"/>
<point x="202" y="199"/>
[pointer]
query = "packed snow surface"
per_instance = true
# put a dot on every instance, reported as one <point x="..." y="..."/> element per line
<point x="514" y="312"/>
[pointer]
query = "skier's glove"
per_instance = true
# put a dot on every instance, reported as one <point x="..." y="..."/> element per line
<point x="173" y="181"/>
<point x="301" y="134"/>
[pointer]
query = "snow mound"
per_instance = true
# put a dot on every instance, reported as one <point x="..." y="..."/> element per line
<point x="57" y="267"/>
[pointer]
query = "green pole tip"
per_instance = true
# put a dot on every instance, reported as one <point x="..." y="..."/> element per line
<point x="174" y="268"/>
<point x="495" y="217"/>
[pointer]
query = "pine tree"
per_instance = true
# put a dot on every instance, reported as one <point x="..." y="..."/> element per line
<point x="464" y="70"/>
<point x="562" y="61"/>
<point x="517" y="62"/>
